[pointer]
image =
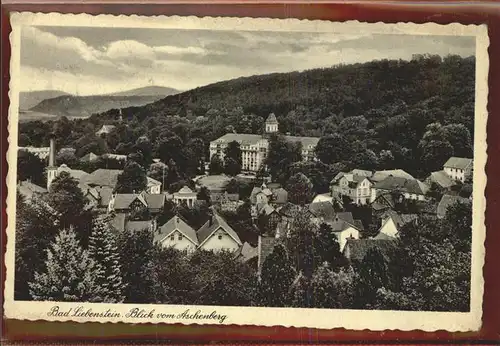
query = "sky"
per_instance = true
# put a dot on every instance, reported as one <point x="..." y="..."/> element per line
<point x="90" y="61"/>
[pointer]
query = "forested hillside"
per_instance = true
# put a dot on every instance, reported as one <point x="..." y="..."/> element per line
<point x="377" y="114"/>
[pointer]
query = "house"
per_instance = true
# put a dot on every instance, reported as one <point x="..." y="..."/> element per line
<point x="458" y="168"/>
<point x="226" y="201"/>
<point x="133" y="202"/>
<point x="392" y="223"/>
<point x="216" y="235"/>
<point x="98" y="196"/>
<point x="268" y="194"/>
<point x="120" y="223"/>
<point x="399" y="173"/>
<point x="409" y="188"/>
<point x="177" y="234"/>
<point x="109" y="177"/>
<point x="116" y="157"/>
<point x="153" y="186"/>
<point x="90" y="157"/>
<point x="105" y="129"/>
<point x="269" y="216"/>
<point x="322" y="212"/>
<point x="386" y="201"/>
<point x="261" y="195"/>
<point x="355" y="250"/>
<point x="185" y="196"/>
<point x="448" y="200"/>
<point x="441" y="178"/>
<point x="356" y="186"/>
<point x="29" y="190"/>
<point x="249" y="254"/>
<point x="345" y="227"/>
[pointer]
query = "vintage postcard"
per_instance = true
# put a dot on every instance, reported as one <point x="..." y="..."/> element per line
<point x="246" y="172"/>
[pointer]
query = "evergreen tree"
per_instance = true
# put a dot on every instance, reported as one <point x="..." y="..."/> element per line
<point x="302" y="244"/>
<point x="104" y="251"/>
<point x="70" y="273"/>
<point x="276" y="278"/>
<point x="328" y="248"/>
<point x="132" y="180"/>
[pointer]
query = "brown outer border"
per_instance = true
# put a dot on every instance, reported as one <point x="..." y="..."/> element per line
<point x="466" y="13"/>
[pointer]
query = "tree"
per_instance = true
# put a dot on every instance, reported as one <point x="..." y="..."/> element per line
<point x="333" y="148"/>
<point x="301" y="293"/>
<point x="104" y="251"/>
<point x="458" y="225"/>
<point x="145" y="148"/>
<point x="31" y="167"/>
<point x="67" y="200"/>
<point x="300" y="189"/>
<point x="301" y="244"/>
<point x="233" y="151"/>
<point x="204" y="194"/>
<point x="36" y="227"/>
<point x="328" y="248"/>
<point x="460" y="139"/>
<point x="434" y="154"/>
<point x="333" y="290"/>
<point x="276" y="278"/>
<point x="281" y="154"/>
<point x="221" y="279"/>
<point x="70" y="273"/>
<point x="170" y="148"/>
<point x="216" y="165"/>
<point x="132" y="180"/>
<point x="231" y="167"/>
<point x="137" y="266"/>
<point x="173" y="276"/>
<point x="372" y="276"/>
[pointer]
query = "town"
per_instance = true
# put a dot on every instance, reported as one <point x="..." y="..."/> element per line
<point x="271" y="218"/>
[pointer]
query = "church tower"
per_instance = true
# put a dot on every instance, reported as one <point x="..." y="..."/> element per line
<point x="271" y="124"/>
<point x="52" y="169"/>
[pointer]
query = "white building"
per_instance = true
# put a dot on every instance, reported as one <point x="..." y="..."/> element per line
<point x="254" y="147"/>
<point x="458" y="168"/>
<point x="185" y="196"/>
<point x="41" y="152"/>
<point x="177" y="234"/>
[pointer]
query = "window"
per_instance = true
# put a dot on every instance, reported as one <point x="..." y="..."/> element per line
<point x="179" y="237"/>
<point x="220" y="236"/>
<point x="172" y="237"/>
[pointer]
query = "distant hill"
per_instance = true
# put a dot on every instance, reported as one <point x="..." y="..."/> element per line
<point x="29" y="99"/>
<point x="147" y="91"/>
<point x="84" y="106"/>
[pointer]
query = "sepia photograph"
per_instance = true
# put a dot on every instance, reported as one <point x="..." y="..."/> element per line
<point x="224" y="166"/>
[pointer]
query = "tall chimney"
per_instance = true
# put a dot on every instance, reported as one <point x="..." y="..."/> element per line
<point x="52" y="152"/>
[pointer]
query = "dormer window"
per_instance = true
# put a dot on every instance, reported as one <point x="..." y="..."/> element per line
<point x="219" y="236"/>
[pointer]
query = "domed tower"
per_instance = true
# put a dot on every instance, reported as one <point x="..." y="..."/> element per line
<point x="271" y="124"/>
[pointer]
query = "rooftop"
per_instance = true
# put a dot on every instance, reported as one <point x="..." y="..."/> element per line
<point x="458" y="162"/>
<point x="176" y="223"/>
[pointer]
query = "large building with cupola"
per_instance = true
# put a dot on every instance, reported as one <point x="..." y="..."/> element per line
<point x="254" y="147"/>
